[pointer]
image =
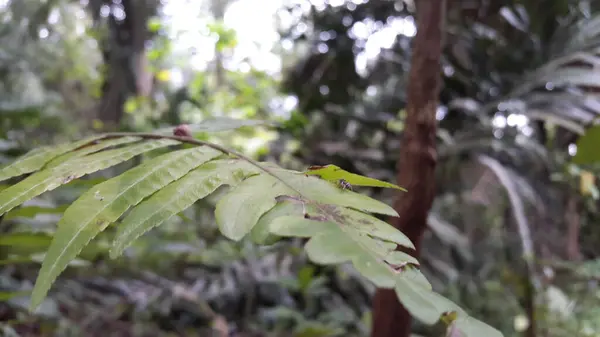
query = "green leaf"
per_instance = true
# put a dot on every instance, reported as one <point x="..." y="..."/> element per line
<point x="93" y="148"/>
<point x="36" y="159"/>
<point x="178" y="196"/>
<point x="334" y="173"/>
<point x="588" y="150"/>
<point x="105" y="203"/>
<point x="51" y="178"/>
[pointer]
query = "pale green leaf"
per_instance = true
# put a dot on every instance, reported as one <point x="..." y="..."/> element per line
<point x="238" y="211"/>
<point x="37" y="158"/>
<point x="105" y="203"/>
<point x="178" y="196"/>
<point x="334" y="173"/>
<point x="364" y="224"/>
<point x="429" y="306"/>
<point x="415" y="276"/>
<point x="379" y="247"/>
<point x="369" y="225"/>
<point x="51" y="178"/>
<point x="472" y="327"/>
<point x="400" y="258"/>
<point x="421" y="302"/>
<point x="331" y="243"/>
<point x="311" y="188"/>
<point x="325" y="248"/>
<point x="297" y="226"/>
<point x="375" y="270"/>
<point x="261" y="233"/>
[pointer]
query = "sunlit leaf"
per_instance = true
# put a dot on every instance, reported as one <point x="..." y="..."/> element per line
<point x="334" y="173"/>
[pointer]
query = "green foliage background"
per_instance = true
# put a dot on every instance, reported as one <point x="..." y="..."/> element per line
<point x="511" y="194"/>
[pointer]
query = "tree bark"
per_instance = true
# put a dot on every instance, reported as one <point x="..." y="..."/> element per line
<point x="416" y="165"/>
<point x="125" y="56"/>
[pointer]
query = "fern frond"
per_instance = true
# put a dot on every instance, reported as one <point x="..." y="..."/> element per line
<point x="263" y="201"/>
<point x="178" y="196"/>
<point x="37" y="158"/>
<point x="52" y="178"/>
<point x="106" y="202"/>
<point x="89" y="149"/>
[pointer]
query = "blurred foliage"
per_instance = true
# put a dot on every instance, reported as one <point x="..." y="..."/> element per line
<point x="520" y="87"/>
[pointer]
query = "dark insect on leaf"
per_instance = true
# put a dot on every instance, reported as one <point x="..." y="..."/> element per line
<point x="343" y="184"/>
<point x="315" y="217"/>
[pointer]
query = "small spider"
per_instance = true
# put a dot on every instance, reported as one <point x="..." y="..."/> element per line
<point x="343" y="184"/>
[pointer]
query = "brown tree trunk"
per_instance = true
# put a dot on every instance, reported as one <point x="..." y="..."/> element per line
<point x="125" y="57"/>
<point x="416" y="165"/>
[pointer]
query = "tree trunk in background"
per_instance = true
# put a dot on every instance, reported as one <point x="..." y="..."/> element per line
<point x="218" y="8"/>
<point x="416" y="165"/>
<point x="125" y="56"/>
